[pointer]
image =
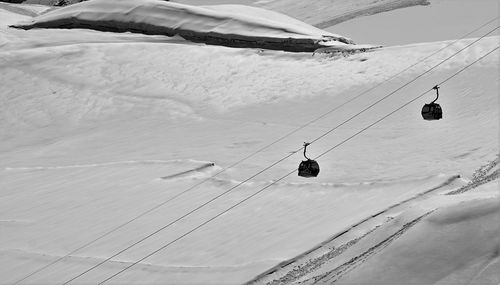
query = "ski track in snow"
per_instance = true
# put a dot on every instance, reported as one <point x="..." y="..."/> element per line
<point x="14" y="222"/>
<point x="330" y="277"/>
<point x="17" y="9"/>
<point x="337" y="273"/>
<point x="316" y="263"/>
<point x="293" y="273"/>
<point x="295" y="269"/>
<point x="325" y="185"/>
<point x="142" y="266"/>
<point x="114" y="163"/>
<point x="370" y="10"/>
<point x="481" y="176"/>
<point x="299" y="271"/>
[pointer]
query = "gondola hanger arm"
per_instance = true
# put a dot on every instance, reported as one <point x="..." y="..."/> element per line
<point x="305" y="148"/>
<point x="437" y="93"/>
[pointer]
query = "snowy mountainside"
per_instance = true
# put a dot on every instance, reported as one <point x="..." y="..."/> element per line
<point x="411" y="245"/>
<point x="320" y="13"/>
<point x="478" y="238"/>
<point x="99" y="127"/>
<point x="327" y="13"/>
<point x="229" y="25"/>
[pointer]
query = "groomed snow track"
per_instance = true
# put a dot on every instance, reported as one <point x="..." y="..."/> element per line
<point x="296" y="268"/>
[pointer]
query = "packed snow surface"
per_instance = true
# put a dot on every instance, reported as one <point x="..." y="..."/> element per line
<point x="236" y="25"/>
<point x="98" y="127"/>
<point x="441" y="20"/>
<point x="467" y="233"/>
<point x="327" y="13"/>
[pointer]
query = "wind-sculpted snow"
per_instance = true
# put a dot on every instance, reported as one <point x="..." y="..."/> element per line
<point x="228" y="25"/>
<point x="90" y="123"/>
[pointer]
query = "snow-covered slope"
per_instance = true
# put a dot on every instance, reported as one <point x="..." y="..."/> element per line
<point x="97" y="128"/>
<point x="411" y="243"/>
<point x="442" y="20"/>
<point x="326" y="13"/>
<point x="229" y="25"/>
<point x="467" y="233"/>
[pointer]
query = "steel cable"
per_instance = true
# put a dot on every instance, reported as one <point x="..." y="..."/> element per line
<point x="289" y="173"/>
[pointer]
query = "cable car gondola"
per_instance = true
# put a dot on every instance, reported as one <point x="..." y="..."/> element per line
<point x="308" y="168"/>
<point x="432" y="111"/>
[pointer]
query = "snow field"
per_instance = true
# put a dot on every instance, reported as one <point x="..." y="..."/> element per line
<point x="216" y="248"/>
<point x="85" y="159"/>
<point x="234" y="90"/>
<point x="471" y="226"/>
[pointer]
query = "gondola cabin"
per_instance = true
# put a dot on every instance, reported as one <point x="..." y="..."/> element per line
<point x="308" y="168"/>
<point x="432" y="112"/>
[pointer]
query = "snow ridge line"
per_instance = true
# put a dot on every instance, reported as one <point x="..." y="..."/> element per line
<point x="360" y="259"/>
<point x="129" y="162"/>
<point x="481" y="176"/>
<point x="302" y="255"/>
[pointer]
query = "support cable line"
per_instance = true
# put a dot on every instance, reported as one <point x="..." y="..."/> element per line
<point x="294" y="170"/>
<point x="273" y="164"/>
<point x="406" y="84"/>
<point x="142" y="214"/>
